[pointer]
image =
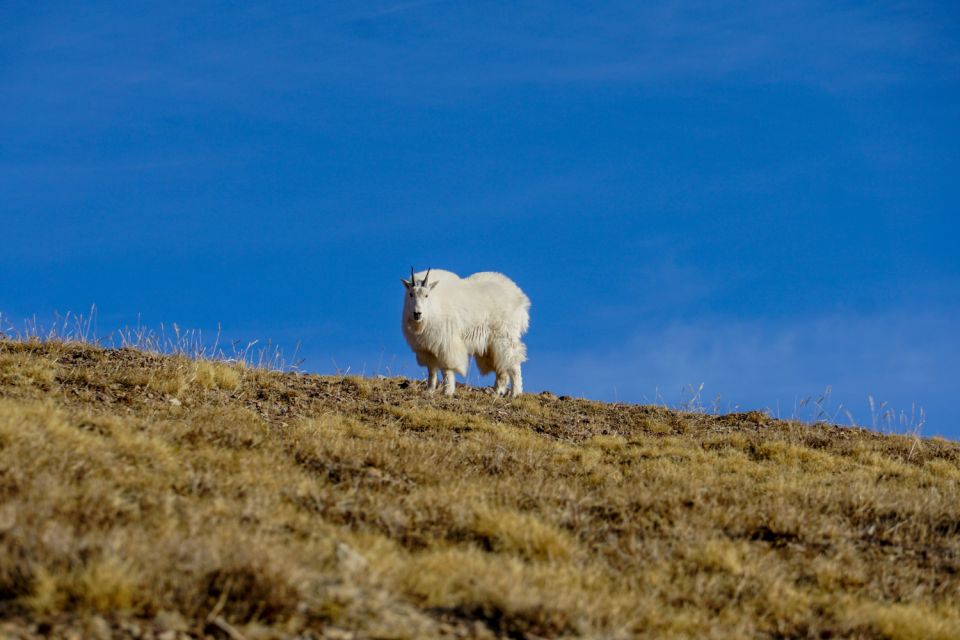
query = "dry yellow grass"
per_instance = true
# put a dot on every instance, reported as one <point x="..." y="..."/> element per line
<point x="142" y="495"/>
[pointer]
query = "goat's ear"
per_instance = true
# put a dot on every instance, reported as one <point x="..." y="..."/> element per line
<point x="406" y="284"/>
<point x="433" y="284"/>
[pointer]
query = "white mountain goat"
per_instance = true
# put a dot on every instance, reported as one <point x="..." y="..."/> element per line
<point x="447" y="319"/>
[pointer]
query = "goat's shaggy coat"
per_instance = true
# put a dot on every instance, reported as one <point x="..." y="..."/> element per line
<point x="447" y="319"/>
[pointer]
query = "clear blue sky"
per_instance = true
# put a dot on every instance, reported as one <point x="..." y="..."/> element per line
<point x="758" y="196"/>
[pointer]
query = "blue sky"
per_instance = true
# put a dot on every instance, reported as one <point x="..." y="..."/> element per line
<point x="760" y="197"/>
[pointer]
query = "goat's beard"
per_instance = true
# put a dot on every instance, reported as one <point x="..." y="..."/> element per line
<point x="416" y="326"/>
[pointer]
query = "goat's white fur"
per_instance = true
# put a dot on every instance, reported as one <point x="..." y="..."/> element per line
<point x="482" y="316"/>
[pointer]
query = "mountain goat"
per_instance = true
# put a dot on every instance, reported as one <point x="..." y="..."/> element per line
<point x="447" y="319"/>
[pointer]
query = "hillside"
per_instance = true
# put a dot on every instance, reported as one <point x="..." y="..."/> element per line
<point x="159" y="497"/>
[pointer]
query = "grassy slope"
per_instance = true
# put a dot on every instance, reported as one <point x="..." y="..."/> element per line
<point x="141" y="493"/>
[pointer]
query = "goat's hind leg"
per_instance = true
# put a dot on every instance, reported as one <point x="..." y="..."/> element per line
<point x="516" y="382"/>
<point x="514" y="354"/>
<point x="486" y="364"/>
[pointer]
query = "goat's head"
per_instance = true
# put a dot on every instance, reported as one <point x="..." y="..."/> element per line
<point x="418" y="306"/>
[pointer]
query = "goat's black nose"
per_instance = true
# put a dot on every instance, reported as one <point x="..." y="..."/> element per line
<point x="416" y="315"/>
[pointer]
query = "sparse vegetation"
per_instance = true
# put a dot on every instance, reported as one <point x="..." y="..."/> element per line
<point x="143" y="495"/>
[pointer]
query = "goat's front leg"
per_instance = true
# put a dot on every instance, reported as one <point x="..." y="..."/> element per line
<point x="432" y="382"/>
<point x="449" y="382"/>
<point x="500" y="385"/>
